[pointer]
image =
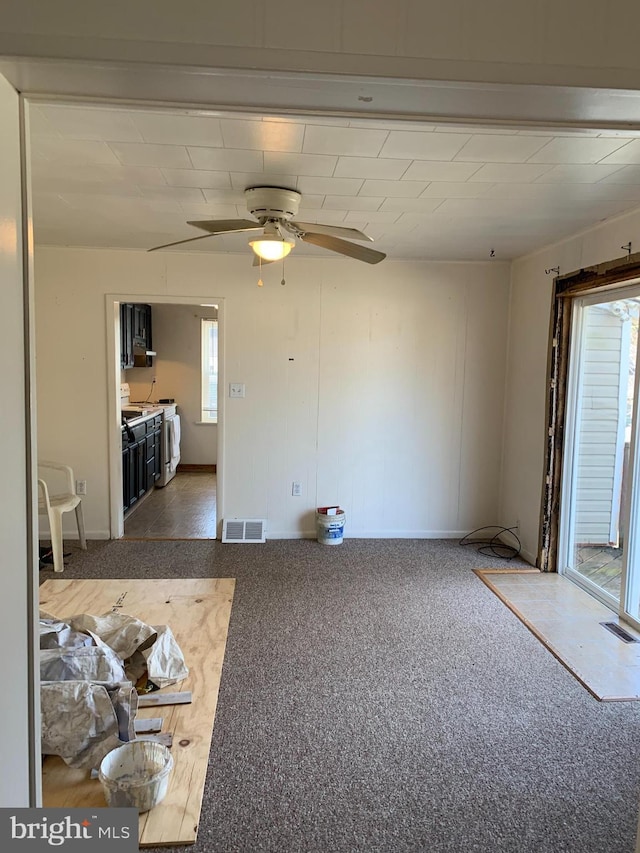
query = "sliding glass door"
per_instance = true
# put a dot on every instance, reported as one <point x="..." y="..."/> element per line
<point x="600" y="508"/>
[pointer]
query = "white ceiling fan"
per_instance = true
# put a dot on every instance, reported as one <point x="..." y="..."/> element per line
<point x="274" y="209"/>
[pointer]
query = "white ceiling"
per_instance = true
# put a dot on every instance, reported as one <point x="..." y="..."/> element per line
<point x="132" y="177"/>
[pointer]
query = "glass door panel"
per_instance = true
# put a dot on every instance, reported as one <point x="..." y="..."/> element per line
<point x="600" y="416"/>
<point x="630" y="591"/>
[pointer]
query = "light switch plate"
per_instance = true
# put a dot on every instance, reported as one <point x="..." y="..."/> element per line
<point x="236" y="389"/>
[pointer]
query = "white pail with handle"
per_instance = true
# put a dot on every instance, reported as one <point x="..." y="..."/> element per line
<point x="330" y="527"/>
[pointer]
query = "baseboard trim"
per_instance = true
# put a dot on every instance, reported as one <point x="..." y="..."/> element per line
<point x="371" y="534"/>
<point x="72" y="535"/>
<point x="528" y="557"/>
<point x="196" y="469"/>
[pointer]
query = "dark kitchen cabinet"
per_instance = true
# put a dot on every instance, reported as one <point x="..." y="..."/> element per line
<point x="129" y="475"/>
<point x="141" y="459"/>
<point x="157" y="434"/>
<point x="136" y="338"/>
<point x="126" y="477"/>
<point x="126" y="336"/>
<point x="133" y="458"/>
<point x="141" y="465"/>
<point x="150" y="461"/>
<point x="154" y="450"/>
<point x="142" y="325"/>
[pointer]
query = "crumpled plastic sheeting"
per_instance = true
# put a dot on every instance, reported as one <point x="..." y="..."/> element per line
<point x="136" y="667"/>
<point x="124" y="634"/>
<point x="140" y="646"/>
<point x="89" y="700"/>
<point x="165" y="661"/>
<point x="55" y="634"/>
<point x="92" y="663"/>
<point x="83" y="720"/>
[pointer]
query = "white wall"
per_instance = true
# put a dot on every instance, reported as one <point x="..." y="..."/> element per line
<point x="176" y="339"/>
<point x="575" y="42"/>
<point x="529" y="319"/>
<point x="380" y="388"/>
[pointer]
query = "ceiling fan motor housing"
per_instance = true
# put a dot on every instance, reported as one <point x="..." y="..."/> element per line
<point x="272" y="203"/>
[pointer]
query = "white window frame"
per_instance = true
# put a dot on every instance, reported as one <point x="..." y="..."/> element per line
<point x="208" y="415"/>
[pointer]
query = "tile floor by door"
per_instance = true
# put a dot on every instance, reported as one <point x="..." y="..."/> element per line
<point x="568" y="621"/>
<point x="184" y="509"/>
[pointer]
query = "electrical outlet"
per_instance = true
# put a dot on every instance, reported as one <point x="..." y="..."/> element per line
<point x="236" y="389"/>
<point x="81" y="487"/>
<point x="296" y="489"/>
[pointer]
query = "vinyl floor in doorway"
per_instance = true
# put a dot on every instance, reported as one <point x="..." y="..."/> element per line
<point x="184" y="509"/>
<point x="567" y="621"/>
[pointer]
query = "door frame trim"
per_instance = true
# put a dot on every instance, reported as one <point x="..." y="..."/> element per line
<point x="573" y="417"/>
<point x="112" y="319"/>
<point x="600" y="278"/>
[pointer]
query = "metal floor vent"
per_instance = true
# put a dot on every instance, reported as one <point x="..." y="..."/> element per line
<point x="619" y="632"/>
<point x="244" y="530"/>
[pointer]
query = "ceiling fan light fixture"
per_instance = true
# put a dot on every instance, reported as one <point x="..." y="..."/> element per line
<point x="271" y="248"/>
<point x="273" y="210"/>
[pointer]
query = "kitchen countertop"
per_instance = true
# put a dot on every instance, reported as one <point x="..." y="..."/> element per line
<point x="133" y="421"/>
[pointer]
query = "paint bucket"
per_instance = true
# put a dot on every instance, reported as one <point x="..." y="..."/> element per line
<point x="330" y="527"/>
<point x="136" y="775"/>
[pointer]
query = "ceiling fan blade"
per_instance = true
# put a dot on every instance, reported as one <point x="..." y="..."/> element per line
<point x="226" y="226"/>
<point x="331" y="230"/>
<point x="179" y="242"/>
<point x="334" y="244"/>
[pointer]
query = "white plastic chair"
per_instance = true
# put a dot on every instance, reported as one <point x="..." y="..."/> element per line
<point x="54" y="504"/>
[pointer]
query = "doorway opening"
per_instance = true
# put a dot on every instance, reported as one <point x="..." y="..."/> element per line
<point x="591" y="506"/>
<point x="181" y="502"/>
<point x="184" y="509"/>
<point x="176" y="394"/>
<point x="600" y="404"/>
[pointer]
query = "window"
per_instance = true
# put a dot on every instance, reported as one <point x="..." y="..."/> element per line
<point x="209" y="372"/>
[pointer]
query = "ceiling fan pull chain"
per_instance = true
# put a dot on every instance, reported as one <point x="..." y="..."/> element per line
<point x="283" y="282"/>
<point x="260" y="281"/>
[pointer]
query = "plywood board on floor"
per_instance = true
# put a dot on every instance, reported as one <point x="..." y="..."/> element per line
<point x="197" y="612"/>
<point x="566" y="619"/>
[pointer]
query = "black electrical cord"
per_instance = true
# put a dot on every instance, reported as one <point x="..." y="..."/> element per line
<point x="153" y="382"/>
<point x="493" y="546"/>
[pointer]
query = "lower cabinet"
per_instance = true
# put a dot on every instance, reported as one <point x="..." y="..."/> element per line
<point x="141" y="459"/>
<point x="157" y="434"/>
<point x="126" y="476"/>
<point x="133" y="483"/>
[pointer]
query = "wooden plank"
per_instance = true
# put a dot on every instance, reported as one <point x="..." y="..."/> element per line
<point x="152" y="700"/>
<point x="198" y="613"/>
<point x="165" y="738"/>
<point x="145" y="726"/>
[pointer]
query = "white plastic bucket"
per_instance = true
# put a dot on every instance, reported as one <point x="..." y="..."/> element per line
<point x="330" y="527"/>
<point x="136" y="775"/>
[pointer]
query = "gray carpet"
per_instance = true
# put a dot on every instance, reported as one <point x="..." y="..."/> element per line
<point x="376" y="696"/>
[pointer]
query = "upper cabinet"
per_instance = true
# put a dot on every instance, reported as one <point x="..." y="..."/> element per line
<point x="142" y="326"/>
<point x="136" y="342"/>
<point x="126" y="336"/>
